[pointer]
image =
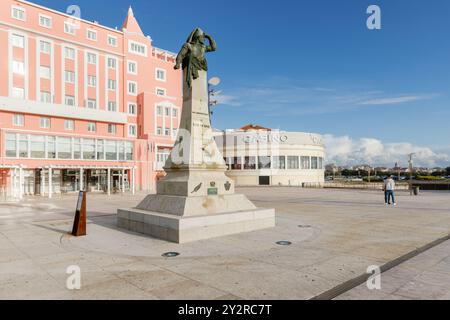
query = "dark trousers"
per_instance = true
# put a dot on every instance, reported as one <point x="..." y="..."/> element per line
<point x="388" y="195"/>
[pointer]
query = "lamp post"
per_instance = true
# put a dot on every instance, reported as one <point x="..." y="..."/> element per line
<point x="410" y="172"/>
<point x="213" y="82"/>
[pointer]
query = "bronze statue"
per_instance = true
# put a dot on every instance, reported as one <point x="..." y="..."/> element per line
<point x="192" y="54"/>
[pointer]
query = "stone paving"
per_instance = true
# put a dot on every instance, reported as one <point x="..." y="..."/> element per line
<point x="335" y="235"/>
<point x="424" y="277"/>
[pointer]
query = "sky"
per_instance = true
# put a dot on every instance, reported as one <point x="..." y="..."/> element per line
<point x="314" y="66"/>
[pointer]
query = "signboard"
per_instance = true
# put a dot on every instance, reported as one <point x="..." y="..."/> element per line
<point x="213" y="191"/>
<point x="79" y="224"/>
<point x="80" y="201"/>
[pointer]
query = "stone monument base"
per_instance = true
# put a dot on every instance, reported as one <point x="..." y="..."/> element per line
<point x="188" y="229"/>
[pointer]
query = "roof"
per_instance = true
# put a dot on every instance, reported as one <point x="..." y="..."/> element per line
<point x="253" y="127"/>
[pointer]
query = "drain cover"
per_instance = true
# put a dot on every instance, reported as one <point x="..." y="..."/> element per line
<point x="284" y="243"/>
<point x="304" y="226"/>
<point x="170" y="254"/>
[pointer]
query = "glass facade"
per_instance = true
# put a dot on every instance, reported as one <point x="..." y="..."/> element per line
<point x="66" y="148"/>
<point x="292" y="162"/>
<point x="275" y="162"/>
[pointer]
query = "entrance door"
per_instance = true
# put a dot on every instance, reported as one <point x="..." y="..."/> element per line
<point x="264" y="181"/>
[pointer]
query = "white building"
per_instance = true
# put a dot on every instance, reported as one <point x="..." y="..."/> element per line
<point x="260" y="156"/>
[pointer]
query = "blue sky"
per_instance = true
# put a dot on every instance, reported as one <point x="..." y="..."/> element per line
<point x="312" y="65"/>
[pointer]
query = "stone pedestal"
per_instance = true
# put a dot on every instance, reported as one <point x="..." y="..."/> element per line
<point x="196" y="200"/>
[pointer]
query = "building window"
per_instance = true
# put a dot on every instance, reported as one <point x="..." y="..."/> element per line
<point x="137" y="48"/>
<point x="250" y="163"/>
<point x="132" y="88"/>
<point x="174" y="113"/>
<point x="100" y="150"/>
<point x="18" y="67"/>
<point x="167" y="132"/>
<point x="112" y="128"/>
<point x="264" y="163"/>
<point x="45" y="123"/>
<point x="18" y="120"/>
<point x="112" y="84"/>
<point x="69" y="76"/>
<point x="51" y="147"/>
<point x="69" y="53"/>
<point x="174" y="133"/>
<point x="45" y="21"/>
<point x="69" y="101"/>
<point x="160" y="92"/>
<point x="161" y="74"/>
<point x="64" y="148"/>
<point x="88" y="149"/>
<point x="112" y="63"/>
<point x="320" y="163"/>
<point x="18" y="13"/>
<point x="305" y="161"/>
<point x="69" y="28"/>
<point x="159" y="131"/>
<point x="77" y="148"/>
<point x="92" y="104"/>
<point x="18" y="93"/>
<point x="92" y="35"/>
<point x="18" y="41"/>
<point x="132" y="130"/>
<point x="92" y="81"/>
<point x="69" y="125"/>
<point x="44" y="72"/>
<point x="112" y="106"/>
<point x="11" y="145"/>
<point x="279" y="162"/>
<point x="111" y="150"/>
<point x="167" y="112"/>
<point x="159" y="111"/>
<point x="314" y="163"/>
<point x="92" y="127"/>
<point x="292" y="162"/>
<point x="112" y="41"/>
<point x="236" y="163"/>
<point x="46" y="97"/>
<point x="37" y="144"/>
<point x="132" y="67"/>
<point x="23" y="146"/>
<point x="45" y="47"/>
<point x="91" y="58"/>
<point x="132" y="109"/>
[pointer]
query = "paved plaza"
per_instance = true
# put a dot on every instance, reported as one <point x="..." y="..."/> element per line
<point x="335" y="236"/>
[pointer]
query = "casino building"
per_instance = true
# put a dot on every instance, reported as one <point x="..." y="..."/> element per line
<point x="258" y="156"/>
<point x="82" y="106"/>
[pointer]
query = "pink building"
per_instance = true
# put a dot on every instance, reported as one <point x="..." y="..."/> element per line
<point x="82" y="106"/>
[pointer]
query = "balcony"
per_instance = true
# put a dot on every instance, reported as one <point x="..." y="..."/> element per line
<point x="61" y="111"/>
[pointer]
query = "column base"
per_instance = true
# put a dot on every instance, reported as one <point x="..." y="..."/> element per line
<point x="188" y="229"/>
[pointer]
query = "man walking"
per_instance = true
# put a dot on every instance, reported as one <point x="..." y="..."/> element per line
<point x="389" y="187"/>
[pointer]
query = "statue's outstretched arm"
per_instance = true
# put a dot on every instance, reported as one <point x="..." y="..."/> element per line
<point x="183" y="52"/>
<point x="212" y="43"/>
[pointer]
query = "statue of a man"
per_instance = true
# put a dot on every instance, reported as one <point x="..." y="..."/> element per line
<point x="192" y="54"/>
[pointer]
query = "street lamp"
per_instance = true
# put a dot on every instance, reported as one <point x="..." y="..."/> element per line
<point x="411" y="171"/>
<point x="213" y="82"/>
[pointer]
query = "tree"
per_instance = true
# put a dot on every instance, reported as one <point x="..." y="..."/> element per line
<point x="448" y="171"/>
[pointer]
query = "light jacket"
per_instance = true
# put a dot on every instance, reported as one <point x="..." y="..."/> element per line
<point x="389" y="184"/>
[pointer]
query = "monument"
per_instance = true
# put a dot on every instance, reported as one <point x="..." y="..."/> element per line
<point x="196" y="200"/>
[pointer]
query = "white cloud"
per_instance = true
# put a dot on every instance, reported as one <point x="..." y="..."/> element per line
<point x="272" y="95"/>
<point x="347" y="151"/>
<point x="397" y="100"/>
